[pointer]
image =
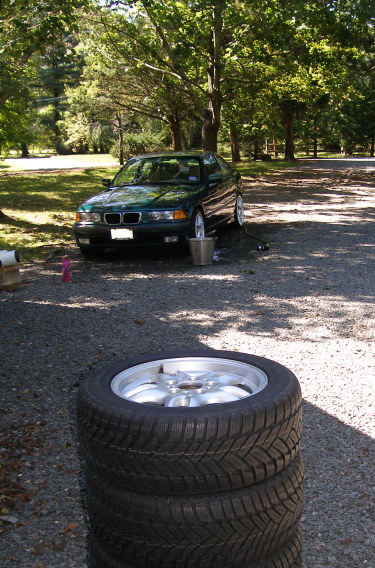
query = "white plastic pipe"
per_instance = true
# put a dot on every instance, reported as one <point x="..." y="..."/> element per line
<point x="9" y="258"/>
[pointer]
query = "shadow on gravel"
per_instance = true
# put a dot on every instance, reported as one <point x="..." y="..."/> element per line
<point x="338" y="518"/>
<point x="268" y="294"/>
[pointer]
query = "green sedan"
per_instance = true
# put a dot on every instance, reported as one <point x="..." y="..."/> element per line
<point x="161" y="198"/>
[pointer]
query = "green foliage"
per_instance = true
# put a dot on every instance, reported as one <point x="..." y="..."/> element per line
<point x="255" y="66"/>
<point x="135" y="143"/>
<point x="26" y="27"/>
<point x="58" y="68"/>
<point x="101" y="137"/>
<point x="76" y="134"/>
<point x="15" y="126"/>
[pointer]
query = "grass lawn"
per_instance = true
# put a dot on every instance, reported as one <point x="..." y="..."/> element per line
<point x="39" y="208"/>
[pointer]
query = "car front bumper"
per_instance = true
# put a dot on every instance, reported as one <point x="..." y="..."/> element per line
<point x="102" y="236"/>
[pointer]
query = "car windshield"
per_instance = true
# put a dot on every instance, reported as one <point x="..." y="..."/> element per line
<point x="165" y="169"/>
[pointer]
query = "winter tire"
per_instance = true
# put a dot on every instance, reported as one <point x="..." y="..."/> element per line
<point x="100" y="557"/>
<point x="229" y="529"/>
<point x="244" y="427"/>
<point x="289" y="556"/>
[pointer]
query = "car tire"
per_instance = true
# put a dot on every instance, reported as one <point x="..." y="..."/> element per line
<point x="192" y="450"/>
<point x="229" y="528"/>
<point x="288" y="556"/>
<point x="197" y="225"/>
<point x="100" y="557"/>
<point x="239" y="213"/>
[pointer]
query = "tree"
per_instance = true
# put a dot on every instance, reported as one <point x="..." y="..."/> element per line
<point x="16" y="120"/>
<point x="26" y="27"/>
<point x="180" y="51"/>
<point x="59" y="67"/>
<point x="246" y="61"/>
<point x="127" y="86"/>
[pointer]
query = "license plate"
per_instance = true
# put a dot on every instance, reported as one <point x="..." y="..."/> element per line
<point x="121" y="234"/>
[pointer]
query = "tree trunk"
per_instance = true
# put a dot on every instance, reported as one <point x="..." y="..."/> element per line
<point x="211" y="119"/>
<point x="290" y="108"/>
<point x="256" y="148"/>
<point x="315" y="141"/>
<point x="120" y="140"/>
<point x="289" y="145"/>
<point x="275" y="148"/>
<point x="176" y="134"/>
<point x="209" y="133"/>
<point x="59" y="146"/>
<point x="234" y="144"/>
<point x="24" y="150"/>
<point x="372" y="148"/>
<point x="315" y="152"/>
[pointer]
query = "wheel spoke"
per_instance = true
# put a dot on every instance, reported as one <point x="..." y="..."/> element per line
<point x="189" y="382"/>
<point x="240" y="212"/>
<point x="199" y="226"/>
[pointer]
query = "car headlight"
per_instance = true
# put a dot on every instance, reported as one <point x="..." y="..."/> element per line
<point x="87" y="217"/>
<point x="170" y="215"/>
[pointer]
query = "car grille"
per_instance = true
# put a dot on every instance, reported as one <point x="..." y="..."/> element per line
<point x="122" y="218"/>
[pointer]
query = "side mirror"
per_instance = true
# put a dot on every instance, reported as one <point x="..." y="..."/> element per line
<point x="106" y="182"/>
<point x="215" y="178"/>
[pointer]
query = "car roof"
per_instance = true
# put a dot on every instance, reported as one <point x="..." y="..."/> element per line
<point x="179" y="153"/>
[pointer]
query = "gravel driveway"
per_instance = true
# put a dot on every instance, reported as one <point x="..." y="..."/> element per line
<point x="307" y="303"/>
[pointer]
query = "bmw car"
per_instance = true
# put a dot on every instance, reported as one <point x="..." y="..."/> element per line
<point x="161" y="198"/>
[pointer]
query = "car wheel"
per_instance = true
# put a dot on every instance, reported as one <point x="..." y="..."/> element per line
<point x="229" y="528"/>
<point x="197" y="227"/>
<point x="192" y="421"/>
<point x="239" y="211"/>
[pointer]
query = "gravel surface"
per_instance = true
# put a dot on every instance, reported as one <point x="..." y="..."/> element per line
<point x="307" y="303"/>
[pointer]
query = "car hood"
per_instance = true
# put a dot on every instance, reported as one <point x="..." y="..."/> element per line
<point x="139" y="197"/>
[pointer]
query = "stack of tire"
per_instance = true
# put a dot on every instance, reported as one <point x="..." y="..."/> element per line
<point x="192" y="461"/>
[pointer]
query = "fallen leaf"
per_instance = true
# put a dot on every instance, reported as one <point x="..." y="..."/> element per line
<point x="70" y="527"/>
